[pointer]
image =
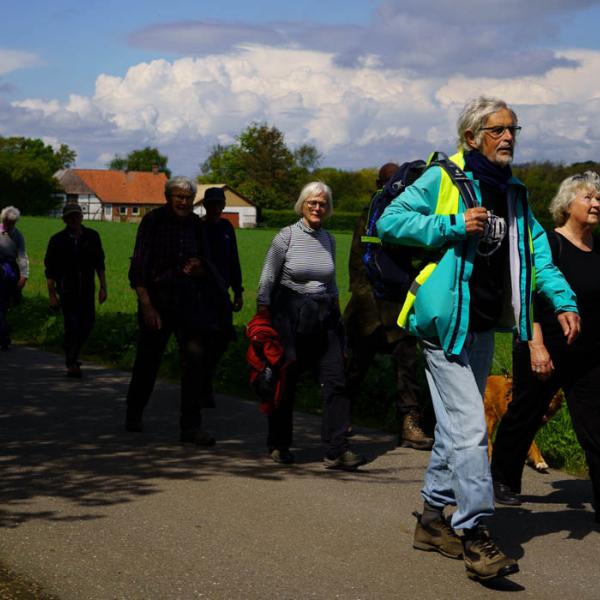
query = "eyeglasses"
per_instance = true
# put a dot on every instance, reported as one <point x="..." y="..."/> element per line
<point x="497" y="131"/>
<point x="316" y="204"/>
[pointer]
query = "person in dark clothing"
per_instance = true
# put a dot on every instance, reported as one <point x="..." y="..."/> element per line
<point x="178" y="293"/>
<point x="73" y="256"/>
<point x="221" y="240"/>
<point x="547" y="362"/>
<point x="372" y="329"/>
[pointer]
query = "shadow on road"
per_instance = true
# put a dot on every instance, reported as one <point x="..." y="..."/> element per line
<point x="64" y="438"/>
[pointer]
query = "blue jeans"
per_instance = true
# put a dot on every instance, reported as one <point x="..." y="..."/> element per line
<point x="459" y="472"/>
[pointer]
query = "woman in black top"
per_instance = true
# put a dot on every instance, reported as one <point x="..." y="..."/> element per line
<point x="547" y="363"/>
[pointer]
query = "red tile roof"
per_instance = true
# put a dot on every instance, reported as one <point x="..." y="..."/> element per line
<point x="121" y="187"/>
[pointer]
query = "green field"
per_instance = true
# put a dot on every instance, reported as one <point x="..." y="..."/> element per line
<point x="113" y="339"/>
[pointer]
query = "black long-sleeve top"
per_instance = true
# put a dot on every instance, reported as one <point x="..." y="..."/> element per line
<point x="71" y="261"/>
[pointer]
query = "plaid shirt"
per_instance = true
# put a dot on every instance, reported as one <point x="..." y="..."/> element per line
<point x="163" y="245"/>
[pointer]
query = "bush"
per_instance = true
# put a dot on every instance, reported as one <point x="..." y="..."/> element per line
<point x="339" y="221"/>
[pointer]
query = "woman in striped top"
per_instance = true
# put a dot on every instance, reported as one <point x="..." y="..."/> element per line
<point x="297" y="290"/>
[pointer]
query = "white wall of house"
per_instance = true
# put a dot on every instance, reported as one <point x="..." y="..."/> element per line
<point x="93" y="209"/>
<point x="247" y="214"/>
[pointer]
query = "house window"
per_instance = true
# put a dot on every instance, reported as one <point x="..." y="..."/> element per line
<point x="123" y="210"/>
<point x="108" y="209"/>
<point x="135" y="211"/>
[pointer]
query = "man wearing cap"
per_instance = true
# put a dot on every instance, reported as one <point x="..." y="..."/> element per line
<point x="221" y="240"/>
<point x="72" y="257"/>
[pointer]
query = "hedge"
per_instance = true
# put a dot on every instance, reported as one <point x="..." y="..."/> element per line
<point x="276" y="219"/>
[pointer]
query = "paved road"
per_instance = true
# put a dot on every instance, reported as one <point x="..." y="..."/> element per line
<point x="89" y="511"/>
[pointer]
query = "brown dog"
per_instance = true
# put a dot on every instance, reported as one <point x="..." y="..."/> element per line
<point x="498" y="395"/>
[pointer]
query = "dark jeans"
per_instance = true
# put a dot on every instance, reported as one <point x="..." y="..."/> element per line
<point x="6" y="290"/>
<point x="322" y="353"/>
<point x="579" y="377"/>
<point x="199" y="356"/>
<point x="362" y="351"/>
<point x="79" y="314"/>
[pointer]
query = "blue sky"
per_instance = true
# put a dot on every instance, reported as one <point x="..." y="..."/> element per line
<point x="365" y="81"/>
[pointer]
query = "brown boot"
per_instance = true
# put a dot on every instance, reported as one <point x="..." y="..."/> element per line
<point x="411" y="434"/>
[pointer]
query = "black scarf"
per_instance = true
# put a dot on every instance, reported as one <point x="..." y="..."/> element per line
<point x="485" y="170"/>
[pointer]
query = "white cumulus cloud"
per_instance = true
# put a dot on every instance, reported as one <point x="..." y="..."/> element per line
<point x="359" y="116"/>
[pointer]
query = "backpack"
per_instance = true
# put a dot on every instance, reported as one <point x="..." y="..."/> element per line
<point x="389" y="266"/>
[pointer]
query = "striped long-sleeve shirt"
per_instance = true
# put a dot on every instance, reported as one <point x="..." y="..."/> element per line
<point x="300" y="258"/>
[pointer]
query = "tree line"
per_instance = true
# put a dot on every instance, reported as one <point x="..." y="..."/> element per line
<point x="259" y="164"/>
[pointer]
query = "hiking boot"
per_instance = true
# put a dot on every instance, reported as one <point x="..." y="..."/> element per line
<point x="411" y="434"/>
<point x="282" y="456"/>
<point x="347" y="461"/>
<point x="200" y="438"/>
<point x="483" y="559"/>
<point x="437" y="536"/>
<point x="504" y="495"/>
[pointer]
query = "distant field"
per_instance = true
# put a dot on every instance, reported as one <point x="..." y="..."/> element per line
<point x="118" y="240"/>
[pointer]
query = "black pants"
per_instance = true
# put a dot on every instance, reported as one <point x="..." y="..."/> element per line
<point x="322" y="353"/>
<point x="579" y="377"/>
<point x="79" y="315"/>
<point x="6" y="290"/>
<point x="362" y="351"/>
<point x="199" y="354"/>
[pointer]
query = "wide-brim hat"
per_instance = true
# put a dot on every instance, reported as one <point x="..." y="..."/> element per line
<point x="214" y="194"/>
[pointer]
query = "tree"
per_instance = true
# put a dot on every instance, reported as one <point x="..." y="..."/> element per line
<point x="261" y="166"/>
<point x="27" y="168"/>
<point x="141" y="160"/>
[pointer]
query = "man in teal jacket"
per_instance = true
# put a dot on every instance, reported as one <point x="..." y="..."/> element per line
<point x="491" y="257"/>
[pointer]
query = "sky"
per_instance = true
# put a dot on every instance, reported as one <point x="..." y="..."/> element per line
<point x="365" y="81"/>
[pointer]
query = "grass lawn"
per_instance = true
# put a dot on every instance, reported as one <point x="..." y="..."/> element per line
<point x="113" y="339"/>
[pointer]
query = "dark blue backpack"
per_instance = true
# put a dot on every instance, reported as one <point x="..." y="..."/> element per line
<point x="390" y="267"/>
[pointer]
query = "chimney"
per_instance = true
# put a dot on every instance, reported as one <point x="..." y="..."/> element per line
<point x="155" y="169"/>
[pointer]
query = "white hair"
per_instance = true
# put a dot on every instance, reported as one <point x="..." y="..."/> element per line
<point x="10" y="213"/>
<point x="315" y="188"/>
<point x="181" y="182"/>
<point x="473" y="117"/>
<point x="568" y="189"/>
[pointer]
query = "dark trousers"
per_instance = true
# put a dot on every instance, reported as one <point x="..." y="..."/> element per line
<point x="362" y="351"/>
<point x="322" y="353"/>
<point x="79" y="314"/>
<point x="579" y="377"/>
<point x="6" y="290"/>
<point x="199" y="356"/>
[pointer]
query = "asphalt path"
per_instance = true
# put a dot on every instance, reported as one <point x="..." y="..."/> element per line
<point x="89" y="511"/>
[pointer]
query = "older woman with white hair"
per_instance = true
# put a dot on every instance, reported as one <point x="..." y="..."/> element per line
<point x="297" y="290"/>
<point x="14" y="266"/>
<point x="547" y="362"/>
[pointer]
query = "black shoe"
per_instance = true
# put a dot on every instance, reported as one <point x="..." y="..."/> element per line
<point x="282" y="456"/>
<point x="483" y="559"/>
<point x="74" y="372"/>
<point x="134" y="426"/>
<point x="504" y="495"/>
<point x="200" y="438"/>
<point x="347" y="461"/>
